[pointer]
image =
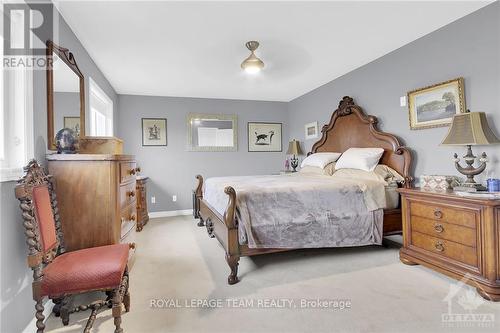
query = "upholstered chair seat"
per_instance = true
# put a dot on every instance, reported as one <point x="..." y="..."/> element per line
<point x="95" y="268"/>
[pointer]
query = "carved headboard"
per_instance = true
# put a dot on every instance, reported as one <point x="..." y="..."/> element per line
<point x="350" y="127"/>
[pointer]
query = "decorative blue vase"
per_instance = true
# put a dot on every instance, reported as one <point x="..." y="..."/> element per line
<point x="65" y="141"/>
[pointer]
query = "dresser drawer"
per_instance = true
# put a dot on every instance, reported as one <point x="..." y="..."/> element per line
<point x="129" y="214"/>
<point x="438" y="212"/>
<point x="128" y="194"/>
<point x="127" y="171"/>
<point x="443" y="230"/>
<point x="127" y="234"/>
<point x="127" y="237"/>
<point x="449" y="249"/>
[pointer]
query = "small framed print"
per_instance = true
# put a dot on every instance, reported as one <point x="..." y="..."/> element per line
<point x="264" y="137"/>
<point x="154" y="131"/>
<point x="74" y="124"/>
<point x="311" y="130"/>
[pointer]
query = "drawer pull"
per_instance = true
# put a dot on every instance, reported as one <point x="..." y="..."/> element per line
<point x="132" y="172"/>
<point x="138" y="169"/>
<point x="131" y="194"/>
<point x="439" y="247"/>
<point x="132" y="218"/>
<point x="438" y="228"/>
<point x="438" y="214"/>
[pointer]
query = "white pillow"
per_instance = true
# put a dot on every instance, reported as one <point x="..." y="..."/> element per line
<point x="360" y="158"/>
<point x="320" y="160"/>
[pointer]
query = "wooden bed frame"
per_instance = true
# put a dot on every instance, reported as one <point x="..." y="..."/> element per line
<point x="349" y="127"/>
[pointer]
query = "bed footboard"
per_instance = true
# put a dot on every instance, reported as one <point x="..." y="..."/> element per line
<point x="223" y="227"/>
<point x="197" y="197"/>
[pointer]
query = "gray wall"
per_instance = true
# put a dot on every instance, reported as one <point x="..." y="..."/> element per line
<point x="469" y="47"/>
<point x="172" y="169"/>
<point x="15" y="278"/>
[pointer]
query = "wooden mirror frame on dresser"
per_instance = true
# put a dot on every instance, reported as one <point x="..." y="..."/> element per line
<point x="69" y="59"/>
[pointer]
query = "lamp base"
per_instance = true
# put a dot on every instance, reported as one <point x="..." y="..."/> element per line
<point x="470" y="171"/>
<point x="294" y="162"/>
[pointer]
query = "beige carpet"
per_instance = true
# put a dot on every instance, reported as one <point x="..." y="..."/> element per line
<point x="176" y="260"/>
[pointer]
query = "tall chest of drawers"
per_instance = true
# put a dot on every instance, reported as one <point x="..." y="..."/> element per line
<point x="97" y="198"/>
<point x="455" y="235"/>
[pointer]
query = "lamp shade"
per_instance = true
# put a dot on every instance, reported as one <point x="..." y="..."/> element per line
<point x="470" y="128"/>
<point x="294" y="148"/>
<point x="252" y="64"/>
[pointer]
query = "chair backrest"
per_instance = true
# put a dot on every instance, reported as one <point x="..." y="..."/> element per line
<point x="44" y="217"/>
<point x="40" y="217"/>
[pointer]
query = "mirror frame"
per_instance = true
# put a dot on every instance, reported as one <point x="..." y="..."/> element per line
<point x="233" y="118"/>
<point x="69" y="59"/>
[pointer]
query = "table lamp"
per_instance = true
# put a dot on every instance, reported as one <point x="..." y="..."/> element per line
<point x="294" y="149"/>
<point x="470" y="129"/>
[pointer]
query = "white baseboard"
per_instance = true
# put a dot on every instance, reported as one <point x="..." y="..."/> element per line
<point x="170" y="213"/>
<point x="48" y="306"/>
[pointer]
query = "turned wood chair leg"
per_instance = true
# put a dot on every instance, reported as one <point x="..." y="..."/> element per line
<point x="56" y="310"/>
<point x="118" y="297"/>
<point x="39" y="316"/>
<point x="126" y="300"/>
<point x="91" y="320"/>
<point x="65" y="309"/>
<point x="117" y="312"/>
<point x="233" y="262"/>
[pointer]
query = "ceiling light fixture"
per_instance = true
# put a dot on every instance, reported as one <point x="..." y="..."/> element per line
<point x="252" y="64"/>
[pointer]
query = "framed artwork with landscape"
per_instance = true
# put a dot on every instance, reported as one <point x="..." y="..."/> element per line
<point x="434" y="106"/>
<point x="264" y="137"/>
<point x="154" y="131"/>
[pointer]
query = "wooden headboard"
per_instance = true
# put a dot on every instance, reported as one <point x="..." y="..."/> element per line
<point x="350" y="127"/>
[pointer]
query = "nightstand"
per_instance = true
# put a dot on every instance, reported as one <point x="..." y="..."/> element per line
<point x="453" y="235"/>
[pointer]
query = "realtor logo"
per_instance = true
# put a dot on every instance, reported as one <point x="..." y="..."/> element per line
<point x="464" y="307"/>
<point x="26" y="27"/>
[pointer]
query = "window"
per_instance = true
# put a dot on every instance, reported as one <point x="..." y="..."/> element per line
<point x="16" y="110"/>
<point x="101" y="111"/>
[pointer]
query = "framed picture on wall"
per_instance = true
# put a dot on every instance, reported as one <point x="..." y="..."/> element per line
<point x="73" y="123"/>
<point x="311" y="130"/>
<point x="154" y="131"/>
<point x="434" y="106"/>
<point x="264" y="137"/>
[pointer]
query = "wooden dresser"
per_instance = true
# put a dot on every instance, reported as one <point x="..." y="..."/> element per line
<point x="454" y="235"/>
<point x="142" y="202"/>
<point x="97" y="198"/>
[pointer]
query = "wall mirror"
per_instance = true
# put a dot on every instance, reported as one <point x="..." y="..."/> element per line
<point x="212" y="132"/>
<point x="65" y="93"/>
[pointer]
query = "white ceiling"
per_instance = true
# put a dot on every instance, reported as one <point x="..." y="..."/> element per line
<point x="194" y="49"/>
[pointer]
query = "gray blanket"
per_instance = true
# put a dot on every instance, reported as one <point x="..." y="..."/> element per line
<point x="302" y="211"/>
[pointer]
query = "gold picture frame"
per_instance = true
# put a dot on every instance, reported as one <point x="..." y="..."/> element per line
<point x="434" y="106"/>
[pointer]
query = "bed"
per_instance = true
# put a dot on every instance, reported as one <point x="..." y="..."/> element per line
<point x="251" y="215"/>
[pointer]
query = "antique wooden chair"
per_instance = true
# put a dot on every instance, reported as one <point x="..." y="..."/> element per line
<point x="58" y="274"/>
